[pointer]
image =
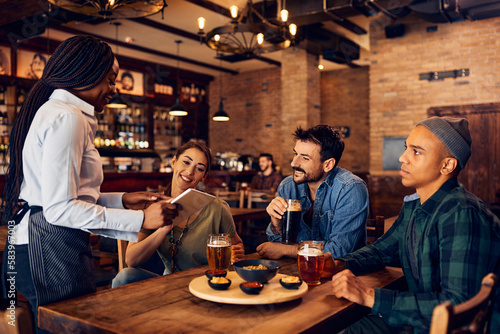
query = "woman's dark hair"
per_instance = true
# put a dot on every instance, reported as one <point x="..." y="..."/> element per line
<point x="79" y="64"/>
<point x="199" y="146"/>
<point x="330" y="141"/>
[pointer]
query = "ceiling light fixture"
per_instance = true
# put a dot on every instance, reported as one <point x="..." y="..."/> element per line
<point x="250" y="32"/>
<point x="221" y="115"/>
<point x="178" y="109"/>
<point x="116" y="101"/>
<point x="113" y="9"/>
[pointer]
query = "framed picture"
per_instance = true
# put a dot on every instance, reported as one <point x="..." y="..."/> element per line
<point x="5" y="60"/>
<point x="130" y="82"/>
<point x="31" y="64"/>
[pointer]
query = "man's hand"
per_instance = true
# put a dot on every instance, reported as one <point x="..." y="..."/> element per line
<point x="346" y="285"/>
<point x="276" y="250"/>
<point x="141" y="200"/>
<point x="276" y="209"/>
<point x="159" y="214"/>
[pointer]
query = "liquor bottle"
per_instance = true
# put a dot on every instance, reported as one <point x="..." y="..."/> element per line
<point x="2" y="95"/>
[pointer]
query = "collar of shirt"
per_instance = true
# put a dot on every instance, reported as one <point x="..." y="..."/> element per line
<point x="67" y="97"/>
<point x="430" y="206"/>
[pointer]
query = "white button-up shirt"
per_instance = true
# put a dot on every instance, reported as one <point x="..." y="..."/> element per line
<point x="63" y="173"/>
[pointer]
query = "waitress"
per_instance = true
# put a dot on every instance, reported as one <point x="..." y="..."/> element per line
<point x="56" y="172"/>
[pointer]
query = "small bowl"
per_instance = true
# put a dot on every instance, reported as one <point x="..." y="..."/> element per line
<point x="251" y="288"/>
<point x="255" y="275"/>
<point x="219" y="286"/>
<point x="215" y="273"/>
<point x="291" y="286"/>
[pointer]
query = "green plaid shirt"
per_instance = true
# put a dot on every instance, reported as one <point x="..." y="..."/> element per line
<point x="445" y="248"/>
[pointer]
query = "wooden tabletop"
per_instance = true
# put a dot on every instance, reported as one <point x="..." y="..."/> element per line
<point x="165" y="305"/>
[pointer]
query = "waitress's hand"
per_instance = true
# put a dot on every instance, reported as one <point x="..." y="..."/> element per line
<point x="141" y="200"/>
<point x="159" y="214"/>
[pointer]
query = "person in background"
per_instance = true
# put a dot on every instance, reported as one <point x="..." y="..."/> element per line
<point x="55" y="172"/>
<point x="127" y="81"/>
<point x="184" y="246"/>
<point x="334" y="201"/>
<point x="268" y="179"/>
<point x="444" y="238"/>
<point x="35" y="69"/>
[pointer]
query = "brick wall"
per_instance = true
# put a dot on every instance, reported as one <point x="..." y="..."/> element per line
<point x="398" y="99"/>
<point x="253" y="102"/>
<point x="344" y="102"/>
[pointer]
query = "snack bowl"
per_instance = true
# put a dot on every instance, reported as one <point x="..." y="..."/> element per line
<point x="215" y="273"/>
<point x="251" y="288"/>
<point x="290" y="285"/>
<point x="219" y="286"/>
<point x="257" y="275"/>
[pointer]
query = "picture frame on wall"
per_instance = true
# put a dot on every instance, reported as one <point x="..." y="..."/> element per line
<point x="30" y="64"/>
<point x="130" y="82"/>
<point x="5" y="61"/>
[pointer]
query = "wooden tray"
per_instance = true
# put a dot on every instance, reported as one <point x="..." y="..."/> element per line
<point x="273" y="292"/>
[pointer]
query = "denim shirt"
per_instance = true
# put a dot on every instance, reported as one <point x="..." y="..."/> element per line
<point x="339" y="214"/>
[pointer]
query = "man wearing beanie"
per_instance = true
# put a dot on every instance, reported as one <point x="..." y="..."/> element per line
<point x="444" y="238"/>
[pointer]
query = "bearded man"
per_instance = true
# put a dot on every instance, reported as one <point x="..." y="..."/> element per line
<point x="334" y="201"/>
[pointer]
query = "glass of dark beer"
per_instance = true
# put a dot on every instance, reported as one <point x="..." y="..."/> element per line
<point x="219" y="251"/>
<point x="311" y="261"/>
<point x="291" y="221"/>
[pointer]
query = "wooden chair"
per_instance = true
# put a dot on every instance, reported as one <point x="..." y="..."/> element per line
<point x="231" y="196"/>
<point x="259" y="197"/>
<point x="374" y="229"/>
<point x="472" y="316"/>
<point x="122" y="247"/>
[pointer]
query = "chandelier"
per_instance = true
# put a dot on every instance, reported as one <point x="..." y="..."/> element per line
<point x="112" y="9"/>
<point x="250" y="33"/>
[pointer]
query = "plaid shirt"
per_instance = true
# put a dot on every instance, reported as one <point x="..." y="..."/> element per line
<point x="456" y="242"/>
<point x="260" y="181"/>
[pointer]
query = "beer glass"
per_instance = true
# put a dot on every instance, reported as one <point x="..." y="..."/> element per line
<point x="291" y="222"/>
<point x="311" y="261"/>
<point x="219" y="251"/>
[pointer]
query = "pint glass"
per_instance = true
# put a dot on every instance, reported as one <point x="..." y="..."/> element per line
<point x="219" y="251"/>
<point x="311" y="261"/>
<point x="291" y="222"/>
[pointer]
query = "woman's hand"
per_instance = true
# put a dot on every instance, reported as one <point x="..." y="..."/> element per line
<point x="238" y="252"/>
<point x="141" y="200"/>
<point x="159" y="214"/>
<point x="346" y="285"/>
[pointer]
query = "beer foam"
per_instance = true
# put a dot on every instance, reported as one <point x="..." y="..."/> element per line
<point x="294" y="206"/>
<point x="310" y="252"/>
<point x="219" y="243"/>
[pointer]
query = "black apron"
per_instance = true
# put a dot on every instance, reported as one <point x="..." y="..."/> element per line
<point x="60" y="260"/>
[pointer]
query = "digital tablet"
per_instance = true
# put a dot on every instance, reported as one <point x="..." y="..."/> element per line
<point x="191" y="200"/>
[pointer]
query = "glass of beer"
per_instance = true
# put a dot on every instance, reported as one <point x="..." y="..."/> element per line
<point x="311" y="261"/>
<point x="291" y="221"/>
<point x="219" y="251"/>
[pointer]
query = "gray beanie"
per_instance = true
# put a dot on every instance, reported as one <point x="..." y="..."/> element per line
<point x="454" y="133"/>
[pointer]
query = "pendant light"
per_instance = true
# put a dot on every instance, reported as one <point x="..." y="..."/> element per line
<point x="221" y="115"/>
<point x="116" y="101"/>
<point x="178" y="109"/>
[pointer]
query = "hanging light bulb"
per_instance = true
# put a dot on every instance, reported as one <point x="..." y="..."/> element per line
<point x="178" y="109"/>
<point x="221" y="115"/>
<point x="217" y="37"/>
<point x="293" y="29"/>
<point x="234" y="11"/>
<point x="116" y="101"/>
<point x="201" y="25"/>
<point x="284" y="15"/>
<point x="260" y="38"/>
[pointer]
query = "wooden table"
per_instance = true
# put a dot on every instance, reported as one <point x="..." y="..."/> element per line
<point x="165" y="305"/>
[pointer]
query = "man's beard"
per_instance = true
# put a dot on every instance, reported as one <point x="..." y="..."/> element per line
<point x="307" y="177"/>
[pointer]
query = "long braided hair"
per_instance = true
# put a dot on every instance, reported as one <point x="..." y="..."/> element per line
<point x="79" y="63"/>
